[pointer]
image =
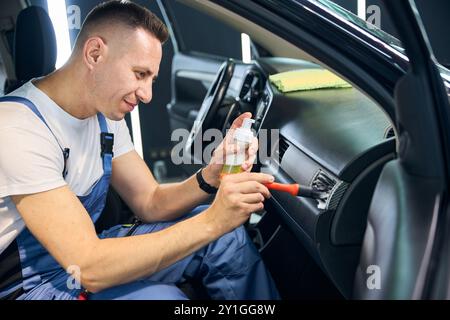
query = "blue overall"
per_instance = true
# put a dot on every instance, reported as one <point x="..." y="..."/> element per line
<point x="229" y="268"/>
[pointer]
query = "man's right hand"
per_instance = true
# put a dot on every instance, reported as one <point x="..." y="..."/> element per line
<point x="239" y="195"/>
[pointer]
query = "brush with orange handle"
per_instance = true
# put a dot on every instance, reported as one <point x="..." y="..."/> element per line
<point x="297" y="190"/>
<point x="294" y="189"/>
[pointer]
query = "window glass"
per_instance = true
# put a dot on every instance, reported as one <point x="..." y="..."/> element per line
<point x="434" y="16"/>
<point x="203" y="33"/>
<point x="432" y="13"/>
<point x="370" y="17"/>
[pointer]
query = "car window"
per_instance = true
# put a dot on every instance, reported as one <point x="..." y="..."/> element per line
<point x="204" y="34"/>
<point x="372" y="16"/>
<point x="434" y="16"/>
<point x="369" y="18"/>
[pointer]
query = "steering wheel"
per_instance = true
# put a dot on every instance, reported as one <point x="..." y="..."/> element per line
<point x="213" y="100"/>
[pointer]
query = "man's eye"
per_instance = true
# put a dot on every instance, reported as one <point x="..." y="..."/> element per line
<point x="140" y="75"/>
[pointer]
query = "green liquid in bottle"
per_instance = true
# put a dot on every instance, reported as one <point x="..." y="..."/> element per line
<point x="242" y="138"/>
<point x="231" y="169"/>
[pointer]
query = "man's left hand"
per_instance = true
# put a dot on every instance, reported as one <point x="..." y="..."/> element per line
<point x="212" y="171"/>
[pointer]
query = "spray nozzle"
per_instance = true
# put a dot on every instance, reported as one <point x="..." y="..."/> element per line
<point x="247" y="124"/>
<point x="245" y="133"/>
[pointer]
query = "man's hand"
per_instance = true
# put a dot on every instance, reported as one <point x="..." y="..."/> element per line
<point x="239" y="195"/>
<point x="212" y="172"/>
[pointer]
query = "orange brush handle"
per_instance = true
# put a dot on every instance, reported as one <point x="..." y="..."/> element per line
<point x="290" y="188"/>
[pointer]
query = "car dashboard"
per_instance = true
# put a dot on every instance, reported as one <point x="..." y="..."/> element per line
<point x="333" y="140"/>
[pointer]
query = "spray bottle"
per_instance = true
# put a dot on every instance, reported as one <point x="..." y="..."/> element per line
<point x="242" y="137"/>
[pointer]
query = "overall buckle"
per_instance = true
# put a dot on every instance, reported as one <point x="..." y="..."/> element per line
<point x="107" y="142"/>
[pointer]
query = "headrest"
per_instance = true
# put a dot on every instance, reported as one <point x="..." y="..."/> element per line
<point x="34" y="44"/>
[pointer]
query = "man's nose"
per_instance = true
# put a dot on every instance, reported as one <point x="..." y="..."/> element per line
<point x="144" y="93"/>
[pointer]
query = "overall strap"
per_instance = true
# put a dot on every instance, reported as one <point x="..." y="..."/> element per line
<point x="106" y="144"/>
<point x="32" y="107"/>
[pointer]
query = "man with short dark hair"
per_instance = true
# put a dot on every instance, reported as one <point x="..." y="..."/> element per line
<point x="64" y="141"/>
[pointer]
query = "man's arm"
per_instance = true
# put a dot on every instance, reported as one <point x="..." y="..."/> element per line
<point x="149" y="200"/>
<point x="62" y="225"/>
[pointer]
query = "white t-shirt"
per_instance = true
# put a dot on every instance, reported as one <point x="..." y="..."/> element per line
<point x="31" y="160"/>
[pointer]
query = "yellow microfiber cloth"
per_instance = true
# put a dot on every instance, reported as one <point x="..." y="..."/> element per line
<point x="309" y="79"/>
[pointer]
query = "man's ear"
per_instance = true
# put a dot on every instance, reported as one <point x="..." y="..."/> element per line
<point x="94" y="51"/>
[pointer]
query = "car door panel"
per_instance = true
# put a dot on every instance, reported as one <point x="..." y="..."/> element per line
<point x="191" y="78"/>
<point x="408" y="204"/>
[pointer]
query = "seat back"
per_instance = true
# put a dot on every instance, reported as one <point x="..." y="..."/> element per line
<point x="34" y="49"/>
<point x="397" y="235"/>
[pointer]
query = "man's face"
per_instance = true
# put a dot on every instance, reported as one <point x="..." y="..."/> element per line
<point x="126" y="74"/>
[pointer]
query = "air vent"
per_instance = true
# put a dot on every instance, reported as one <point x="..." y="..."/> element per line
<point x="283" y="145"/>
<point x="323" y="182"/>
<point x="246" y="85"/>
<point x="389" y="133"/>
<point x="335" y="190"/>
